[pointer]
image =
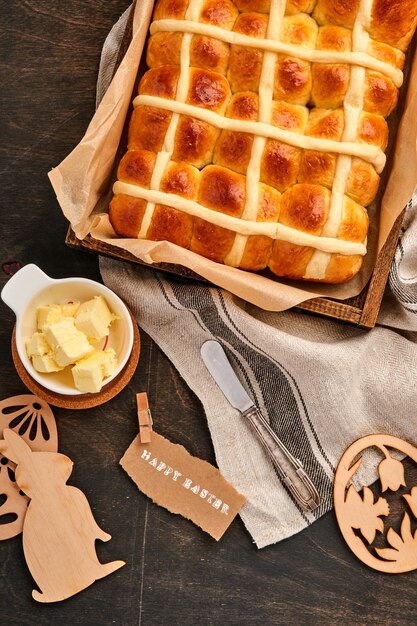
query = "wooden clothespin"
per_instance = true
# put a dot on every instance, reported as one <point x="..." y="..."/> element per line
<point x="145" y="418"/>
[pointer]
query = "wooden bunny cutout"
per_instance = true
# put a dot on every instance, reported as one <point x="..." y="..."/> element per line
<point x="59" y="530"/>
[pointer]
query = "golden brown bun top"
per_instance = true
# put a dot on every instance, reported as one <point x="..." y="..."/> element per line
<point x="305" y="207"/>
<point x="180" y="179"/>
<point x="325" y="123"/>
<point x="338" y="12"/>
<point x="299" y="30"/>
<point x="221" y="13"/>
<point x="222" y="190"/>
<point x="394" y="21"/>
<point x="333" y="37"/>
<point x="170" y="9"/>
<point x="243" y="106"/>
<point x="251" y="24"/>
<point x="289" y="116"/>
<point x="161" y="82"/>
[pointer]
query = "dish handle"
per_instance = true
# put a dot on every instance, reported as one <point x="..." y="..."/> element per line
<point x="23" y="285"/>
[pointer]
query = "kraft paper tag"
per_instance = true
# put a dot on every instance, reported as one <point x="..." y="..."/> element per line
<point x="182" y="483"/>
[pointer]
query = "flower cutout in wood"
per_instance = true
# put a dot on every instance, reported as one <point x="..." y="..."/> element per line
<point x="391" y="472"/>
<point x="360" y="517"/>
<point x="33" y="420"/>
<point x="412" y="500"/>
<point x="404" y="546"/>
<point x="365" y="514"/>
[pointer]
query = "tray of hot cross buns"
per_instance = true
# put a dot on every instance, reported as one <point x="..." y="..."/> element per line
<point x="261" y="145"/>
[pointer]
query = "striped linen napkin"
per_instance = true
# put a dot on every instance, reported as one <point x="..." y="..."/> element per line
<point x="322" y="384"/>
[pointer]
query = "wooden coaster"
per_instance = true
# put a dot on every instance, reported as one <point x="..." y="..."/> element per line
<point x="85" y="400"/>
<point x="361" y="517"/>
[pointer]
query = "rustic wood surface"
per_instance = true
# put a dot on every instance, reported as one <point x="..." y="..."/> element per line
<point x="175" y="574"/>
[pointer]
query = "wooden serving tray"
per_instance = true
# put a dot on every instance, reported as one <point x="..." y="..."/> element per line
<point x="362" y="310"/>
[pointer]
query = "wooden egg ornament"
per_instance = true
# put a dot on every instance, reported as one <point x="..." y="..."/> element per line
<point x="361" y="512"/>
<point x="59" y="530"/>
<point x="33" y="420"/>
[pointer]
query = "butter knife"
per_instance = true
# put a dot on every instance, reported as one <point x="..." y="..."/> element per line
<point x="289" y="468"/>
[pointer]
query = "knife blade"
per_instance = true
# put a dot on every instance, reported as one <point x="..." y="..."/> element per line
<point x="218" y="365"/>
<point x="289" y="468"/>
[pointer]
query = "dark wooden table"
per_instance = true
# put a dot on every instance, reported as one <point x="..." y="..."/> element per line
<point x="175" y="574"/>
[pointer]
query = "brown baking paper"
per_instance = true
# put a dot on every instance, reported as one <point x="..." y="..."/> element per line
<point x="82" y="183"/>
<point x="183" y="484"/>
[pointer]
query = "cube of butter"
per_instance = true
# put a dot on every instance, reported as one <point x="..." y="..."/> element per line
<point x="68" y="343"/>
<point x="58" y="332"/>
<point x="72" y="350"/>
<point x="48" y="314"/>
<point x="45" y="363"/>
<point x="90" y="372"/>
<point x="94" y="317"/>
<point x="52" y="313"/>
<point x="37" y="345"/>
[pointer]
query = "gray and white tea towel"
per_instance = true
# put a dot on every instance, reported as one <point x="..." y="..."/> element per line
<point x="322" y="383"/>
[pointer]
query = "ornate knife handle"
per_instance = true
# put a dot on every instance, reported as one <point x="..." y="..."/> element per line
<point x="289" y="468"/>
